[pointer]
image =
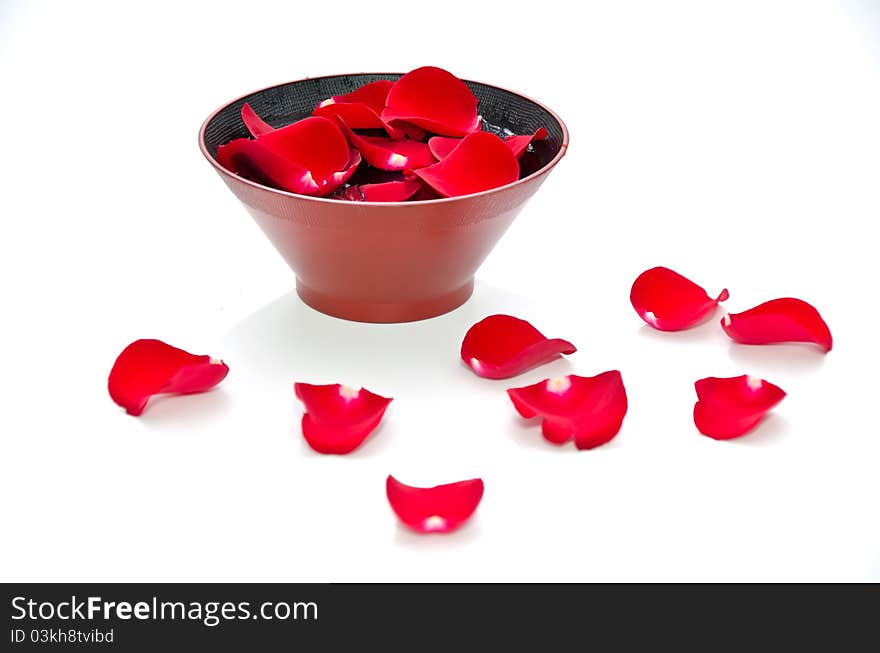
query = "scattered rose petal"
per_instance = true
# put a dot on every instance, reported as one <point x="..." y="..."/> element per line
<point x="670" y="302"/>
<point x="589" y="409"/>
<point x="389" y="191"/>
<point x="501" y="346"/>
<point x="337" y="418"/>
<point x="150" y="367"/>
<point x="729" y="407"/>
<point x="779" y="320"/>
<point x="480" y="162"/>
<point x="255" y="125"/>
<point x="435" y="100"/>
<point x="390" y="154"/>
<point x="519" y="144"/>
<point x="439" y="509"/>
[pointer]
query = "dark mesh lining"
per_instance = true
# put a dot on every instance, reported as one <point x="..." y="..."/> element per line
<point x="282" y="105"/>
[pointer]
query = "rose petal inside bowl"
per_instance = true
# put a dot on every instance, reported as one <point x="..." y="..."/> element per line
<point x="255" y="125"/>
<point x="371" y="95"/>
<point x="442" y="146"/>
<point x="388" y="153"/>
<point x="389" y="191"/>
<point x="316" y="144"/>
<point x="435" y="100"/>
<point x="480" y="162"/>
<point x="519" y="144"/>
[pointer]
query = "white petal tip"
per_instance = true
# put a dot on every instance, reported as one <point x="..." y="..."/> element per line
<point x="434" y="523"/>
<point x="559" y="385"/>
<point x="349" y="393"/>
<point x="754" y="382"/>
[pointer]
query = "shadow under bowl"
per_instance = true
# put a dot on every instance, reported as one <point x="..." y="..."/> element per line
<point x="389" y="261"/>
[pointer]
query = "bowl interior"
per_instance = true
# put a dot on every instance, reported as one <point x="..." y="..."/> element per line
<point x="503" y="112"/>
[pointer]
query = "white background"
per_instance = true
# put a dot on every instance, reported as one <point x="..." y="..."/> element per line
<point x="735" y="142"/>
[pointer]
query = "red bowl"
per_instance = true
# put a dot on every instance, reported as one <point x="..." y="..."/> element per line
<point x="389" y="261"/>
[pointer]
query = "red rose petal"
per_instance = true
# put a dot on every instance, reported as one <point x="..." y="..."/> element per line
<point x="402" y="129"/>
<point x="360" y="109"/>
<point x="316" y="144"/>
<point x="390" y="154"/>
<point x="519" y="144"/>
<point x="310" y="157"/>
<point x="359" y="116"/>
<point x="249" y="158"/>
<point x="338" y="418"/>
<point x="150" y="367"/>
<point x="252" y="159"/>
<point x="480" y="162"/>
<point x="433" y="99"/>
<point x="501" y="346"/>
<point x="372" y="95"/>
<point x="389" y="191"/>
<point x="442" y="146"/>
<point x="338" y="178"/>
<point x="589" y="409"/>
<point x="779" y="320"/>
<point x="425" y="193"/>
<point x="255" y="125"/>
<point x="729" y="407"/>
<point x="668" y="301"/>
<point x="439" y="509"/>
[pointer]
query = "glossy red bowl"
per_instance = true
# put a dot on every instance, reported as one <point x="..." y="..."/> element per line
<point x="390" y="261"/>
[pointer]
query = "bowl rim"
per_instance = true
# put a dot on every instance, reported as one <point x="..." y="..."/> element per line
<point x="369" y="205"/>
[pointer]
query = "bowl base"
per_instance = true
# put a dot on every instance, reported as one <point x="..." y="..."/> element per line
<point x="357" y="311"/>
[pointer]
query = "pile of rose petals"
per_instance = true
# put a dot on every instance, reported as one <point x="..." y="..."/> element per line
<point x="424" y="128"/>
